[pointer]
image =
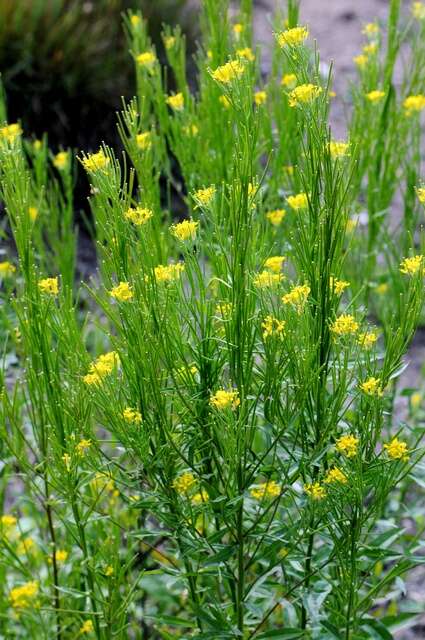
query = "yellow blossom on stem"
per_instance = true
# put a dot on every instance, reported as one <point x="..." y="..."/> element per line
<point x="132" y="416"/>
<point x="146" y="59"/>
<point x="169" y="42"/>
<point x="292" y="37"/>
<point x="82" y="447"/>
<point x="223" y="399"/>
<point x="420" y="192"/>
<point x="26" y="546"/>
<point x="298" y="201"/>
<point x="49" y="286"/>
<point x="375" y="96"/>
<point x="7" y="521"/>
<point x="228" y="72"/>
<point x="361" y="60"/>
<point x="275" y="217"/>
<point x="338" y="286"/>
<point x="200" y="498"/>
<point x="344" y="325"/>
<point x="168" y="272"/>
<point x="304" y="94"/>
<point x="367" y="339"/>
<point x="10" y="132"/>
<point x="246" y="53"/>
<point x="289" y="80"/>
<point x="260" y="97"/>
<point x="416" y="400"/>
<point x="414" y="104"/>
<point x="372" y="387"/>
<point x="23" y="597"/>
<point x="67" y="461"/>
<point x="371" y="48"/>
<point x="397" y="450"/>
<point x="176" y="101"/>
<point x="272" y="326"/>
<point x="87" y="627"/>
<point x="370" y="29"/>
<point x="411" y="266"/>
<point x="338" y="149"/>
<point x="347" y="445"/>
<point x="297" y="297"/>
<point x="122" y="292"/>
<point x="269" y="489"/>
<point x="204" y="197"/>
<point x="144" y="140"/>
<point x="224" y="101"/>
<point x="96" y="161"/>
<point x="315" y="491"/>
<point x="382" y="288"/>
<point x="7" y="269"/>
<point x="61" y="555"/>
<point x="61" y="159"/>
<point x="184" y="482"/>
<point x="335" y="475"/>
<point x="138" y="215"/>
<point x="100" y="368"/>
<point x="274" y="263"/>
<point x="185" y="230"/>
<point x="418" y="10"/>
<point x="33" y="213"/>
<point x="237" y="29"/>
<point x="266" y="279"/>
<point x="109" y="571"/>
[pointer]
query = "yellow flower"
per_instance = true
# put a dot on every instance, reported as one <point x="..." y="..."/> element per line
<point x="10" y="132"/>
<point x="33" y="213"/>
<point x="274" y="263"/>
<point x="67" y="461"/>
<point x="338" y="149"/>
<point x="7" y="269"/>
<point x="275" y="217"/>
<point x="61" y="160"/>
<point x="297" y="297"/>
<point x="418" y="10"/>
<point x="185" y="230"/>
<point x="266" y="279"/>
<point x="361" y="60"/>
<point x="288" y="169"/>
<point x="61" y="555"/>
<point x="7" y="521"/>
<point x="49" y="286"/>
<point x="82" y="447"/>
<point x="109" y="571"/>
<point x="370" y="49"/>
<point x="169" y="42"/>
<point x="122" y="292"/>
<point x="269" y="489"/>
<point x="289" y="80"/>
<point x="414" y="104"/>
<point x="344" y="325"/>
<point x="144" y="140"/>
<point x="338" y="286"/>
<point x="367" y="339"/>
<point x="87" y="627"/>
<point x="176" y="101"/>
<point x="146" y="59"/>
<point x="22" y="597"/>
<point x="372" y="387"/>
<point x="201" y="497"/>
<point x="169" y="272"/>
<point x="382" y="288"/>
<point x="237" y="29"/>
<point x="245" y="53"/>
<point x="315" y="491"/>
<point x="184" y="482"/>
<point x="204" y="196"/>
<point x="260" y="97"/>
<point x="347" y="445"/>
<point x="272" y="327"/>
<point x="191" y="130"/>
<point x="26" y="546"/>
<point x="95" y="161"/>
<point x="335" y="475"/>
<point x="370" y="29"/>
<point x="223" y="399"/>
<point x="135" y="20"/>
<point x="304" y="94"/>
<point x="375" y="95"/>
<point x="225" y="102"/>
<point x="228" y="72"/>
<point x="397" y="450"/>
<point x="138" y="216"/>
<point x="297" y="202"/>
<point x="411" y="266"/>
<point x="100" y="368"/>
<point x="420" y="192"/>
<point x="416" y="400"/>
<point x="132" y="416"/>
<point x="292" y="37"/>
<point x="37" y="144"/>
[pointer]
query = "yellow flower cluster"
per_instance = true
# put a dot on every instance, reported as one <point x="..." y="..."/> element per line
<point x="304" y="94"/>
<point x="274" y="263"/>
<point x="315" y="491"/>
<point x="146" y="59"/>
<point x="292" y="37"/>
<point x="144" y="140"/>
<point x="297" y="297"/>
<point x="289" y="80"/>
<point x="96" y="161"/>
<point x="132" y="416"/>
<point x="228" y="72"/>
<point x="223" y="399"/>
<point x="87" y="627"/>
<point x="414" y="104"/>
<point x="361" y="60"/>
<point x="7" y="269"/>
<point x="372" y="387"/>
<point x="10" y="132"/>
<point x="122" y="292"/>
<point x="298" y="201"/>
<point x="338" y="286"/>
<point x="184" y="482"/>
<point x="204" y="197"/>
<point x="138" y="215"/>
<point x="266" y="279"/>
<point x="347" y="445"/>
<point x="246" y="54"/>
<point x="50" y="286"/>
<point x="26" y="546"/>
<point x="367" y="339"/>
<point x="371" y="29"/>
<point x="344" y="325"/>
<point x="22" y="597"/>
<point x="338" y="149"/>
<point x="102" y="367"/>
<point x="82" y="447"/>
<point x="168" y="272"/>
<point x="169" y="42"/>
<point x="335" y="475"/>
<point x="61" y="160"/>
<point x="420" y="192"/>
<point x="185" y="230"/>
<point x="411" y="266"/>
<point x="33" y="213"/>
<point x="200" y="498"/>
<point x="269" y="489"/>
<point x="275" y="217"/>
<point x="272" y="327"/>
<point x="8" y="521"/>
<point x="397" y="450"/>
<point x="176" y="101"/>
<point x="260" y="97"/>
<point x="418" y="10"/>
